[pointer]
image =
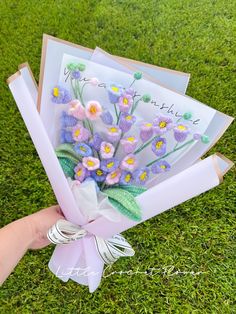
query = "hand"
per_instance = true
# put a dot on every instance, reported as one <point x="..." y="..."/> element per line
<point x="39" y="224"/>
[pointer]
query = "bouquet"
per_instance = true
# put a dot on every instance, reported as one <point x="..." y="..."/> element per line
<point x="114" y="140"/>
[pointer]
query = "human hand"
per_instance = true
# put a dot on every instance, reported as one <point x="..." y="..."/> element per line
<point x="39" y="224"/>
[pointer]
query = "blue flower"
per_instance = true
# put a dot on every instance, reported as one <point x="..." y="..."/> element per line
<point x="160" y="166"/>
<point x="83" y="149"/>
<point x="96" y="141"/>
<point x="126" y="177"/>
<point x="141" y="175"/>
<point x="159" y="146"/>
<point x="109" y="165"/>
<point x="75" y="74"/>
<point x="98" y="175"/>
<point x="106" y="117"/>
<point x="114" y="92"/>
<point x="67" y="120"/>
<point x="60" y="95"/>
<point x="66" y="137"/>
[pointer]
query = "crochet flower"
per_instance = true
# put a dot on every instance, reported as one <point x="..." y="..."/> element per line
<point x="138" y="75"/>
<point x="109" y="165"/>
<point x="125" y="102"/>
<point x="106" y="117"/>
<point x="162" y="124"/>
<point x="181" y="132"/>
<point x="129" y="144"/>
<point x="76" y="109"/>
<point x="141" y="175"/>
<point x="75" y="74"/>
<point x="79" y="133"/>
<point x="159" y="146"/>
<point x="60" y="95"/>
<point x="93" y="110"/>
<point x="80" y="172"/>
<point x="66" y="137"/>
<point x="146" y="131"/>
<point x="98" y="175"/>
<point x="146" y="98"/>
<point x="160" y="166"/>
<point x="126" y="121"/>
<point x="67" y="120"/>
<point x="83" y="149"/>
<point x="94" y="81"/>
<point x="107" y="150"/>
<point x="72" y="66"/>
<point x="96" y="141"/>
<point x="130" y="91"/>
<point x="113" y="177"/>
<point x="129" y="163"/>
<point x="114" y="92"/>
<point x="113" y="133"/>
<point x="91" y="163"/>
<point x="126" y="177"/>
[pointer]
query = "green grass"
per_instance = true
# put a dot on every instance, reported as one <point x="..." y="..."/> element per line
<point x="191" y="36"/>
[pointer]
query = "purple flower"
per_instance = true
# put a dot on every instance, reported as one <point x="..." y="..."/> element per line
<point x="67" y="120"/>
<point x="126" y="121"/>
<point x="141" y="175"/>
<point x="146" y="131"/>
<point x="125" y="102"/>
<point x="113" y="177"/>
<point x="160" y="166"/>
<point x="91" y="163"/>
<point x="197" y="136"/>
<point x="98" y="175"/>
<point x="107" y="150"/>
<point x="129" y="144"/>
<point x="76" y="75"/>
<point x="129" y="163"/>
<point x="96" y="141"/>
<point x="113" y="133"/>
<point x="181" y="132"/>
<point x="106" y="117"/>
<point x="130" y="91"/>
<point x="159" y="146"/>
<point x="83" y="149"/>
<point x="162" y="124"/>
<point x="114" y="92"/>
<point x="126" y="177"/>
<point x="80" y="172"/>
<point x="60" y="95"/>
<point x="66" y="137"/>
<point x="79" y="133"/>
<point x="109" y="165"/>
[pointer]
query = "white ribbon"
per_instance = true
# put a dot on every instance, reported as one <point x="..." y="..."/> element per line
<point x="110" y="250"/>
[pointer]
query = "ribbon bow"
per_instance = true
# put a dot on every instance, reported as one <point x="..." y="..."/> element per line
<point x="110" y="250"/>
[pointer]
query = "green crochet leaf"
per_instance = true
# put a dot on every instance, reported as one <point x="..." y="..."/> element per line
<point x="67" y="166"/>
<point x="124" y="202"/>
<point x="132" y="189"/>
<point x="67" y="151"/>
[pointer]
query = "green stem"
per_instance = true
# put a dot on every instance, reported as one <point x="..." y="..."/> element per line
<point x="171" y="152"/>
<point x="118" y="144"/>
<point x="74" y="89"/>
<point x="117" y="116"/>
<point x="132" y="83"/>
<point x="145" y="145"/>
<point x="135" y="105"/>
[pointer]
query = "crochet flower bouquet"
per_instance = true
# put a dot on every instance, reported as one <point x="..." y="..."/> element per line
<point x="114" y="136"/>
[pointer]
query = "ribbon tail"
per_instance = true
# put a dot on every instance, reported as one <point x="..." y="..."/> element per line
<point x="62" y="266"/>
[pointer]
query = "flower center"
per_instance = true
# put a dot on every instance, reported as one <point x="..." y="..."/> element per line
<point x="107" y="149"/>
<point x="148" y="125"/>
<point x="130" y="139"/>
<point x="56" y="91"/>
<point x="93" y="109"/>
<point x="110" y="164"/>
<point x="130" y="161"/>
<point x="159" y="144"/>
<point x="143" y="176"/>
<point x="163" y="166"/>
<point x="79" y="172"/>
<point x="128" y="118"/>
<point x="113" y="175"/>
<point x="99" y="172"/>
<point x="83" y="149"/>
<point x="127" y="178"/>
<point x="77" y="132"/>
<point x="90" y="163"/>
<point x="162" y="124"/>
<point x="115" y="89"/>
<point x="181" y="127"/>
<point x="113" y="130"/>
<point x="125" y="101"/>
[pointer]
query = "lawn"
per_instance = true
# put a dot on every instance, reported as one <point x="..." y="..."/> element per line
<point x="198" y="236"/>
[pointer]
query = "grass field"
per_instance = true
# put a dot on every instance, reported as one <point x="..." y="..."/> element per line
<point x="198" y="236"/>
